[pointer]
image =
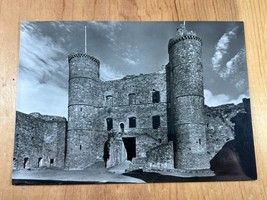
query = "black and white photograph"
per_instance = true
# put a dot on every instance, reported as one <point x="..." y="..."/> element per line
<point x="132" y="102"/>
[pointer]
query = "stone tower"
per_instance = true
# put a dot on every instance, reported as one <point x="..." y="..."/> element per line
<point x="83" y="101"/>
<point x="187" y="101"/>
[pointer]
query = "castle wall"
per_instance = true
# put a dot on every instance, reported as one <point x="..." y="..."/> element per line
<point x="220" y="129"/>
<point x="117" y="152"/>
<point x="84" y="147"/>
<point x="39" y="141"/>
<point x="187" y="101"/>
<point x="84" y="88"/>
<point x="88" y="113"/>
<point x="84" y="142"/>
<point x="142" y="107"/>
<point x="160" y="157"/>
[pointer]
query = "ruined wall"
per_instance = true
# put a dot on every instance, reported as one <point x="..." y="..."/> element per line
<point x="116" y="151"/>
<point x="93" y="102"/>
<point x="219" y="128"/>
<point x="116" y="103"/>
<point x="39" y="141"/>
<point x="160" y="157"/>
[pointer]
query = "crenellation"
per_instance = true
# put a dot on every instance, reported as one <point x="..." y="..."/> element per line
<point x="83" y="55"/>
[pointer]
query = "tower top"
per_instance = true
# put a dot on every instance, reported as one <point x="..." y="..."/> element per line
<point x="83" y="55"/>
<point x="183" y="35"/>
<point x="181" y="31"/>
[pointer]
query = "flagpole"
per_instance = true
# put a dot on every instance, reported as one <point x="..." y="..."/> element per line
<point x="85" y="40"/>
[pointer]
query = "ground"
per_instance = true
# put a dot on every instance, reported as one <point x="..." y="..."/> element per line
<point x="97" y="173"/>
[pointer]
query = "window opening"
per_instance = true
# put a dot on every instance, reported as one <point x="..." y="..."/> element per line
<point x="132" y="99"/>
<point x="109" y="100"/>
<point x="155" y="97"/>
<point x="156" y="122"/>
<point x="132" y="122"/>
<point x="122" y="127"/>
<point x="109" y="124"/>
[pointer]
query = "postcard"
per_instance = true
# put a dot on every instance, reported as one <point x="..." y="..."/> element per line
<point x="132" y="102"/>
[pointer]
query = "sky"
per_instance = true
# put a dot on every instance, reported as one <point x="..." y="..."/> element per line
<point x="124" y="48"/>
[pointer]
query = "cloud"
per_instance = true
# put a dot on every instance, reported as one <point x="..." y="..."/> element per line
<point x="42" y="57"/>
<point x="234" y="64"/>
<point x="43" y="98"/>
<point x="236" y="71"/>
<point x="221" y="99"/>
<point x="231" y="69"/>
<point x="107" y="73"/>
<point x="130" y="54"/>
<point x="109" y="29"/>
<point x="221" y="49"/>
<point x="42" y="74"/>
<point x="131" y="61"/>
<point x="110" y="26"/>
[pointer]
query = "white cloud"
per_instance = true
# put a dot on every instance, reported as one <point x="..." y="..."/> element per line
<point x="106" y="25"/>
<point x="221" y="99"/>
<point x="42" y="76"/>
<point x="108" y="29"/>
<point x="41" y="56"/>
<point x="237" y="71"/>
<point x="130" y="55"/>
<point x="107" y="73"/>
<point x="131" y="61"/>
<point x="43" y="98"/>
<point x="233" y="64"/>
<point x="221" y="49"/>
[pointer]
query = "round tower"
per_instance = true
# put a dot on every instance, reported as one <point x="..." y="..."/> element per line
<point x="83" y="101"/>
<point x="187" y="101"/>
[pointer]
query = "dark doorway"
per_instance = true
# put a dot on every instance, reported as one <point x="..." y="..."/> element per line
<point x="109" y="124"/>
<point x="51" y="162"/>
<point x="122" y="127"/>
<point x="156" y="122"/>
<point x="25" y="163"/>
<point x="39" y="162"/>
<point x="130" y="146"/>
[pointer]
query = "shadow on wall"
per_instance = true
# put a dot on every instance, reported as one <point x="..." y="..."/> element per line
<point x="237" y="156"/>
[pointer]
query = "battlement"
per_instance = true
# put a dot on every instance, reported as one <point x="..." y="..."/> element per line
<point x="185" y="37"/>
<point x="82" y="55"/>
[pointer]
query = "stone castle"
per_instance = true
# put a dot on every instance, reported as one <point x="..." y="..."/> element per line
<point x="156" y="121"/>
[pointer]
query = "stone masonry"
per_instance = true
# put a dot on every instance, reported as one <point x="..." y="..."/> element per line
<point x="156" y="121"/>
<point x="187" y="101"/>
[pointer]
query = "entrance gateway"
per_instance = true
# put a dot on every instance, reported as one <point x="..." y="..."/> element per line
<point x="130" y="146"/>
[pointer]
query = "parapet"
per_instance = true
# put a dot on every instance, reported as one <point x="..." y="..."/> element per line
<point x="83" y="55"/>
<point x="183" y="34"/>
<point x="186" y="37"/>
